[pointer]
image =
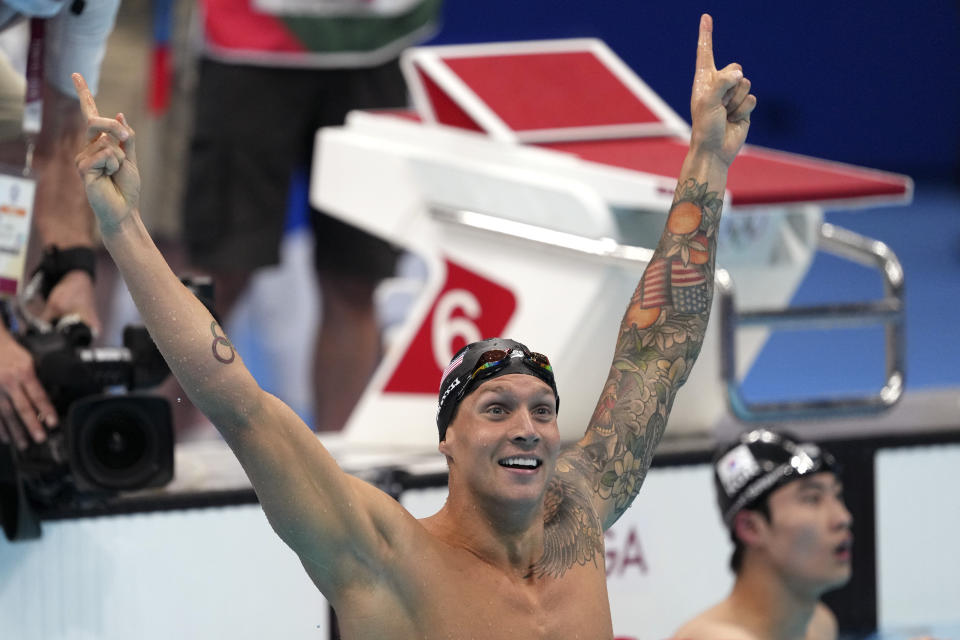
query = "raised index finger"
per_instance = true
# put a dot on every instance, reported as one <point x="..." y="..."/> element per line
<point x="87" y="105"/>
<point x="705" y="44"/>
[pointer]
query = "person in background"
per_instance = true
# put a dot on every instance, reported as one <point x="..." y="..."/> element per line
<point x="74" y="37"/>
<point x="783" y="502"/>
<point x="310" y="63"/>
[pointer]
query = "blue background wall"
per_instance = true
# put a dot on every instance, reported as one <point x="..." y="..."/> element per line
<point x="875" y="83"/>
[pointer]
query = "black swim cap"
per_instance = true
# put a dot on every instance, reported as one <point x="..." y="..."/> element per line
<point x="481" y="361"/>
<point x="760" y="462"/>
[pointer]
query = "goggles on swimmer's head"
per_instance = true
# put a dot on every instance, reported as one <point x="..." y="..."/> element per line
<point x="495" y="360"/>
<point x="467" y="371"/>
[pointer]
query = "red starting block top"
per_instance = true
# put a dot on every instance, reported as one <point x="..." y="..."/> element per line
<point x="556" y="99"/>
<point x="758" y="176"/>
<point x="536" y="91"/>
<point x="578" y="97"/>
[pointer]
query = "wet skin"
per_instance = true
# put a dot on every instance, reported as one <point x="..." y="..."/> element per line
<point x="468" y="570"/>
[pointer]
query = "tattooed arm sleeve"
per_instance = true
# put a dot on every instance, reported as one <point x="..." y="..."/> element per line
<point x="666" y="320"/>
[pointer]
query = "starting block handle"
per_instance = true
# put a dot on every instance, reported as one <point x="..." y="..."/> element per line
<point x="889" y="311"/>
<point x="605" y="249"/>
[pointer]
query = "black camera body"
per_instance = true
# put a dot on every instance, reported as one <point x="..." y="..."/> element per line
<point x="111" y="438"/>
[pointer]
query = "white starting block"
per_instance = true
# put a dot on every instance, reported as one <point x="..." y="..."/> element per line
<point x="534" y="180"/>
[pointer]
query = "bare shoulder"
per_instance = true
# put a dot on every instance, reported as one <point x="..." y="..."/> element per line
<point x="712" y="624"/>
<point x="369" y="551"/>
<point x="823" y="624"/>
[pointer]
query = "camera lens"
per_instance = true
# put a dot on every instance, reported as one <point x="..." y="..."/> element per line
<point x="116" y="443"/>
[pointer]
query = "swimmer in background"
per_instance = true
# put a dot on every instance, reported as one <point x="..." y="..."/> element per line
<point x="517" y="550"/>
<point x="783" y="503"/>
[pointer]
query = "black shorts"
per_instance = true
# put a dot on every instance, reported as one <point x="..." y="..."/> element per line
<point x="253" y="127"/>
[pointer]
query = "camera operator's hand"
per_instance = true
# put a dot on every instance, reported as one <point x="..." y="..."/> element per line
<point x="73" y="295"/>
<point x="25" y="409"/>
<point x="107" y="164"/>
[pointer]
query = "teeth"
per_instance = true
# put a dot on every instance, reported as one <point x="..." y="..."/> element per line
<point x="530" y="463"/>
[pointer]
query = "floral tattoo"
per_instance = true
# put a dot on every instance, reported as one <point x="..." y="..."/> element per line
<point x="659" y="340"/>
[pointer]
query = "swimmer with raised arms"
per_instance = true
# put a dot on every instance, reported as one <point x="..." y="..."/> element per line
<point x="517" y="550"/>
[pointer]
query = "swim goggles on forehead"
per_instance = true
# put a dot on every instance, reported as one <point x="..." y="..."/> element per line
<point x="495" y="360"/>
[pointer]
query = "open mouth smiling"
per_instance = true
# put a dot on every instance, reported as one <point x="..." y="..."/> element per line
<point x="526" y="463"/>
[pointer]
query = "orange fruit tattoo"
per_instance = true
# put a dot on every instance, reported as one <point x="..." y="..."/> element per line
<point x="642" y="318"/>
<point x="697" y="256"/>
<point x="684" y="218"/>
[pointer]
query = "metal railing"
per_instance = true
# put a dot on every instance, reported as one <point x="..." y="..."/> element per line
<point x="888" y="310"/>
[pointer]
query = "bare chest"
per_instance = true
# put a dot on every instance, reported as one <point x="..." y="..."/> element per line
<point x="465" y="600"/>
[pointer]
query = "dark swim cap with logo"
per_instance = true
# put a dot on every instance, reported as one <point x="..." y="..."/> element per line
<point x="481" y="361"/>
<point x="760" y="462"/>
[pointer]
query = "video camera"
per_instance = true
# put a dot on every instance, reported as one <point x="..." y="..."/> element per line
<point x="110" y="438"/>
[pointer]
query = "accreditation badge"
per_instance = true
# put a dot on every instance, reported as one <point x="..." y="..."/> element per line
<point x="16" y="212"/>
